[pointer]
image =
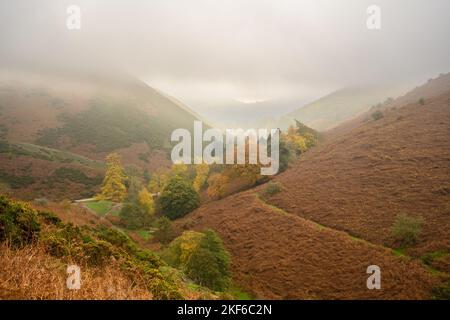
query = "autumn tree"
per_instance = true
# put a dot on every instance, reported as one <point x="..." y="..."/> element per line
<point x="146" y="201"/>
<point x="158" y="181"/>
<point x="178" y="198"/>
<point x="202" y="171"/>
<point x="113" y="187"/>
<point x="217" y="186"/>
<point x="138" y="208"/>
<point x="202" y="256"/>
<point x="179" y="169"/>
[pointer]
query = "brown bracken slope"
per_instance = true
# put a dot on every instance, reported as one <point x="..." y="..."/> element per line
<point x="359" y="181"/>
<point x="316" y="238"/>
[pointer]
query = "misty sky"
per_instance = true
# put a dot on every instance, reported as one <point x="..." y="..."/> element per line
<point x="210" y="53"/>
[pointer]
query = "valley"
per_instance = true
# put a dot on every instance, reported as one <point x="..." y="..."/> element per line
<point x="309" y="232"/>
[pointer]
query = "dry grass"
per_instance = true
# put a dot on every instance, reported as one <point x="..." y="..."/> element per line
<point x="283" y="256"/>
<point x="30" y="273"/>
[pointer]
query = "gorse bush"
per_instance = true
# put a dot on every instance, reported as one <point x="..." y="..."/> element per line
<point x="19" y="222"/>
<point x="406" y="229"/>
<point x="178" y="198"/>
<point x="272" y="189"/>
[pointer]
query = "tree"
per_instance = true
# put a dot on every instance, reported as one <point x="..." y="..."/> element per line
<point x="158" y="181"/>
<point x="202" y="171"/>
<point x="179" y="169"/>
<point x="113" y="187"/>
<point x="217" y="186"/>
<point x="134" y="216"/>
<point x="209" y="265"/>
<point x="146" y="201"/>
<point x="164" y="232"/>
<point x="178" y="198"/>
<point x="138" y="209"/>
<point x="202" y="256"/>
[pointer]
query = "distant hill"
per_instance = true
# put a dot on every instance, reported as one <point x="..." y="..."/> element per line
<point x="82" y="114"/>
<point x="337" y="107"/>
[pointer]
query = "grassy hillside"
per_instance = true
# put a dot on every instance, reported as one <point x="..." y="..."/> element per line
<point x="36" y="247"/>
<point x="30" y="171"/>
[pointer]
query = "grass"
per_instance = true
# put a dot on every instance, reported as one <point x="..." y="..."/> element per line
<point x="100" y="207"/>
<point x="144" y="234"/>
<point x="399" y="252"/>
<point x="115" y="211"/>
<point x="238" y="294"/>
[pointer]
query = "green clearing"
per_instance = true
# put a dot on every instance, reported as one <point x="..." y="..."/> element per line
<point x="144" y="234"/>
<point x="99" y="207"/>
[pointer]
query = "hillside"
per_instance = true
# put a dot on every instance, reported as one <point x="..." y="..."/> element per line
<point x="334" y="213"/>
<point x="37" y="246"/>
<point x="337" y="107"/>
<point x="81" y="115"/>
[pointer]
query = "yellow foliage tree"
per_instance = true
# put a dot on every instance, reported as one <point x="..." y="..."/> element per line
<point x="202" y="171"/>
<point x="182" y="248"/>
<point x="113" y="187"/>
<point x="218" y="184"/>
<point x="146" y="201"/>
<point x="158" y="181"/>
<point x="180" y="170"/>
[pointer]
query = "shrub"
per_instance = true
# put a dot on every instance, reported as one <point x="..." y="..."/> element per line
<point x="117" y="238"/>
<point x="16" y="182"/>
<point x="19" y="222"/>
<point x="442" y="292"/>
<point x="97" y="252"/>
<point x="377" y="115"/>
<point x="49" y="218"/>
<point x="422" y="101"/>
<point x="178" y="198"/>
<point x="406" y="229"/>
<point x="164" y="233"/>
<point x="272" y="189"/>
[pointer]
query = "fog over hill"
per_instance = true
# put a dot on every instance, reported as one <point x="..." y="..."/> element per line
<point x="210" y="54"/>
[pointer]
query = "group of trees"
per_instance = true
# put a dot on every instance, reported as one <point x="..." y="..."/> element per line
<point x="138" y="208"/>
<point x="177" y="191"/>
<point x="300" y="138"/>
<point x="203" y="258"/>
